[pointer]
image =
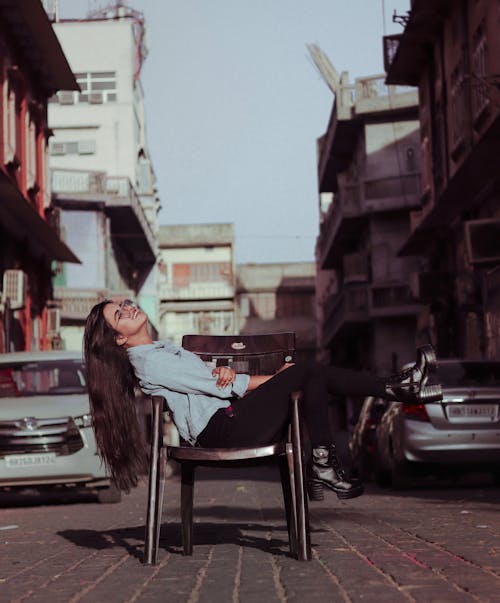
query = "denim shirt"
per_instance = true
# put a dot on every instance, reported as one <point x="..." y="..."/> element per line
<point x="186" y="382"/>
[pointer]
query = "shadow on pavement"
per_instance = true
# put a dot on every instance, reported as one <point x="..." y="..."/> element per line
<point x="170" y="538"/>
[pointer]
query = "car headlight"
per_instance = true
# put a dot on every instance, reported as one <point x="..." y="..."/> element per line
<point x="83" y="421"/>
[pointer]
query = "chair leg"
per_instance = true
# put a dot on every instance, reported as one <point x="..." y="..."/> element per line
<point x="187" y="492"/>
<point x="304" y="542"/>
<point x="155" y="487"/>
<point x="288" y="486"/>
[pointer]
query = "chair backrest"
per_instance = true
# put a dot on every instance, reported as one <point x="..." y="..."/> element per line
<point x="261" y="354"/>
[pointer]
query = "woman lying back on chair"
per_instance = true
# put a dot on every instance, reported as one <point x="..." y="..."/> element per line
<point x="219" y="408"/>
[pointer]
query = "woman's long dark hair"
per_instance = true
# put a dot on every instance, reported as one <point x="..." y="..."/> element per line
<point x="111" y="385"/>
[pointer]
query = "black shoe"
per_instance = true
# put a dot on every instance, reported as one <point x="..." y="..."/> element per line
<point x="409" y="386"/>
<point x="326" y="471"/>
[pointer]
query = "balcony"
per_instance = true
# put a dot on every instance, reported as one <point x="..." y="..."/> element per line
<point x="130" y="228"/>
<point x="197" y="291"/>
<point x="358" y="304"/>
<point x="392" y="299"/>
<point x="75" y="304"/>
<point x="350" y="308"/>
<point x="355" y="202"/>
<point x="78" y="186"/>
<point x="129" y="225"/>
<point x="372" y="94"/>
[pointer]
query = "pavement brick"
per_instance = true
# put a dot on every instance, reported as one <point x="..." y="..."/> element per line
<point x="428" y="545"/>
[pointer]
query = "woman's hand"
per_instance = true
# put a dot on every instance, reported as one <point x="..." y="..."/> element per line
<point x="285" y="366"/>
<point x="225" y="376"/>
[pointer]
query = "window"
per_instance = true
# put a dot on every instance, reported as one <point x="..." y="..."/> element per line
<point x="201" y="272"/>
<point x="480" y="98"/>
<point x="30" y="152"/>
<point x="81" y="147"/>
<point x="9" y="123"/>
<point x="42" y="378"/>
<point x="97" y="87"/>
<point x="457" y="103"/>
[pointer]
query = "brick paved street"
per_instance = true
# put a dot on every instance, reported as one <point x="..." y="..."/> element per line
<point x="426" y="545"/>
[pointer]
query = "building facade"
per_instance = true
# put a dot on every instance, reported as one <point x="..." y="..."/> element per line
<point x="451" y="51"/>
<point x="274" y="298"/>
<point x="369" y="181"/>
<point x="32" y="68"/>
<point x="102" y="175"/>
<point x="197" y="282"/>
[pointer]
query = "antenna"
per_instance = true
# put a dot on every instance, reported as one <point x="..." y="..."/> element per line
<point x="324" y="67"/>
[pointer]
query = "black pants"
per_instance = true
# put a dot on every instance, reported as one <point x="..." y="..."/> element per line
<point x="261" y="416"/>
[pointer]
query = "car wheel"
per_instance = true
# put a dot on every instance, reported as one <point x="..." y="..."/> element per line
<point x="109" y="495"/>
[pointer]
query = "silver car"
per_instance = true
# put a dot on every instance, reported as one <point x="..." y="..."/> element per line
<point x="46" y="435"/>
<point x="459" y="434"/>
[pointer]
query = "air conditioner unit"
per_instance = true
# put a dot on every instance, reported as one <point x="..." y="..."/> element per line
<point x="53" y="321"/>
<point x="482" y="238"/>
<point x="14" y="288"/>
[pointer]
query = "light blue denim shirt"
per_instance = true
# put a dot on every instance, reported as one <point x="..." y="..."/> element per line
<point x="186" y="382"/>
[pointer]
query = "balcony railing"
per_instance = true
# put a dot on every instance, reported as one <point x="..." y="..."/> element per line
<point x="364" y="197"/>
<point x="75" y="304"/>
<point x="351" y="306"/>
<point x="194" y="291"/>
<point x="375" y="87"/>
<point x="78" y="181"/>
<point x="356" y="267"/>
<point x="356" y="304"/>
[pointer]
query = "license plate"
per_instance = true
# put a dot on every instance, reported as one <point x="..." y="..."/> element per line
<point x="18" y="461"/>
<point x="473" y="412"/>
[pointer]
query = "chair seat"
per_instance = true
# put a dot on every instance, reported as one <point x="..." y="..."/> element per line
<point x="190" y="453"/>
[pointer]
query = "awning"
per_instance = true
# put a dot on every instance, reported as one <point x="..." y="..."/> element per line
<point x="20" y="219"/>
<point x="37" y="40"/>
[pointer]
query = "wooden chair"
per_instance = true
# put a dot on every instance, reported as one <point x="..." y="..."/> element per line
<point x="255" y="354"/>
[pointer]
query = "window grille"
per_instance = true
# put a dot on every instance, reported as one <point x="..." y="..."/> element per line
<point x="81" y="147"/>
<point x="457" y="103"/>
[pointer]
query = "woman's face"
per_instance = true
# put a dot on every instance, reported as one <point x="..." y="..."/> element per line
<point x="125" y="318"/>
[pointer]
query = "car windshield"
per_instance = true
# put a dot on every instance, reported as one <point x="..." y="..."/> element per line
<point x="42" y="378"/>
<point x="458" y="374"/>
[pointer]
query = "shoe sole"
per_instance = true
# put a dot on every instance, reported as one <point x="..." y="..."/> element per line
<point x="431" y="393"/>
<point x="315" y="490"/>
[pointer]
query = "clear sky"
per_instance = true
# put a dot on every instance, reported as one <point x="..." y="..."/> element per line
<point x="235" y="105"/>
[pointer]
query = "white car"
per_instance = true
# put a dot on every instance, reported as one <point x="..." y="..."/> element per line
<point x="46" y="435"/>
